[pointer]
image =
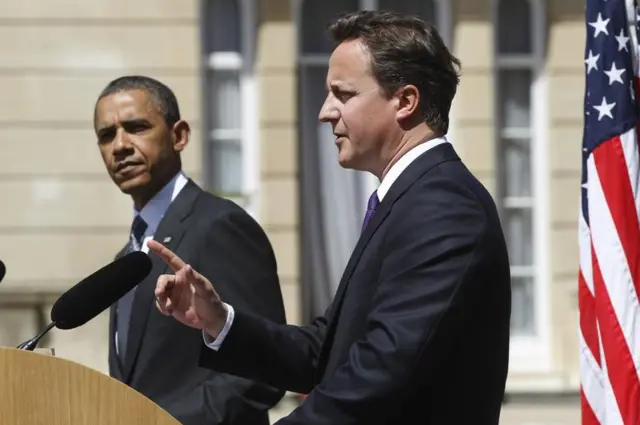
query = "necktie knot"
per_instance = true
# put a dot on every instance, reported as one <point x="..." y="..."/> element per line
<point x="371" y="208"/>
<point x="138" y="228"/>
<point x="373" y="201"/>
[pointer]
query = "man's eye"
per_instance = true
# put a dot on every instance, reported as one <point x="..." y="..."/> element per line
<point x="343" y="96"/>
<point x="136" y="128"/>
<point x="105" y="137"/>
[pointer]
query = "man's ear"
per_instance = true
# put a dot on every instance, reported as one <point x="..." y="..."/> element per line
<point x="181" y="131"/>
<point x="408" y="101"/>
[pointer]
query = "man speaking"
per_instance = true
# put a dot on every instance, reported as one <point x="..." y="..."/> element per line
<point x="418" y="331"/>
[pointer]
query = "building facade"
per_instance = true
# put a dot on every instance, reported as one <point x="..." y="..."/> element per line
<point x="249" y="76"/>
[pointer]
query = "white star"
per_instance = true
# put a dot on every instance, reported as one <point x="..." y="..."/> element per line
<point x="604" y="109"/>
<point x="622" y="41"/>
<point x="632" y="90"/>
<point x="592" y="61"/>
<point x="614" y="74"/>
<point x="600" y="25"/>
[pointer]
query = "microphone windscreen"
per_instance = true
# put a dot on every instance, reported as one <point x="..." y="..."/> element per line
<point x="99" y="291"/>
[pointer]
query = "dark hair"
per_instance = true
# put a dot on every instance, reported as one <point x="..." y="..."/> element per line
<point x="159" y="94"/>
<point x="405" y="50"/>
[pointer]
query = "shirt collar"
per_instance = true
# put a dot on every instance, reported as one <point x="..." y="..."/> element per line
<point x="155" y="209"/>
<point x="404" y="161"/>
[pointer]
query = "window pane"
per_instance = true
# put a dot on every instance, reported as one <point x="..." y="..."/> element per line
<point x="222" y="26"/>
<point x="316" y="15"/>
<point x="514" y="27"/>
<point x="224" y="99"/>
<point x="515" y="98"/>
<point x="522" y="323"/>
<point x="224" y="166"/>
<point x="518" y="228"/>
<point x="516" y="165"/>
<point x="424" y="8"/>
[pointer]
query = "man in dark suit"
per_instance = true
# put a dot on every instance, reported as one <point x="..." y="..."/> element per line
<point x="418" y="331"/>
<point x="140" y="136"/>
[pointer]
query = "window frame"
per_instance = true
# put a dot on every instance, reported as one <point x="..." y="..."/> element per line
<point x="244" y="63"/>
<point x="530" y="353"/>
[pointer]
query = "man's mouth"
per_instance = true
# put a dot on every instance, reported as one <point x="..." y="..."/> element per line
<point x="126" y="165"/>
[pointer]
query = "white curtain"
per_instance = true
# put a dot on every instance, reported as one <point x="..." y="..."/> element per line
<point x="333" y="200"/>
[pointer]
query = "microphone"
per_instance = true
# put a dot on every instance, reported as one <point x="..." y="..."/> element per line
<point x="95" y="294"/>
<point x="3" y="270"/>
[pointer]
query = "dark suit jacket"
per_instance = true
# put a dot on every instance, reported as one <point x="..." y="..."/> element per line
<point x="221" y="241"/>
<point x="418" y="331"/>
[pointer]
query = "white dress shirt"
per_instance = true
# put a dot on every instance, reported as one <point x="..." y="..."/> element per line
<point x="153" y="212"/>
<point x="388" y="180"/>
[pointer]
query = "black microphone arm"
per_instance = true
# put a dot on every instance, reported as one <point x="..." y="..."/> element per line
<point x="94" y="294"/>
<point x="31" y="344"/>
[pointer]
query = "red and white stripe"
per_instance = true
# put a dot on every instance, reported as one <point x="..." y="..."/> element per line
<point x="609" y="282"/>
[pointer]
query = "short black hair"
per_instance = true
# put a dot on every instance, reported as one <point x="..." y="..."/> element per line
<point x="162" y="96"/>
<point x="405" y="50"/>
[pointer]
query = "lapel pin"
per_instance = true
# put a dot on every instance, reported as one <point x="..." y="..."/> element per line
<point x="167" y="239"/>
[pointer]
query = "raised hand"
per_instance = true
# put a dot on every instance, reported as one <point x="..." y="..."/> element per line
<point x="187" y="295"/>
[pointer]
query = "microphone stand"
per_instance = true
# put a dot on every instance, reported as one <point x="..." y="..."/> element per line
<point x="31" y="344"/>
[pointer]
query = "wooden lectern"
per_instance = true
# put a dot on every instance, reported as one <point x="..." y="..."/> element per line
<point x="39" y="389"/>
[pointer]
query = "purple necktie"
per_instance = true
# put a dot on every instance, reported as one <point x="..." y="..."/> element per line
<point x="371" y="208"/>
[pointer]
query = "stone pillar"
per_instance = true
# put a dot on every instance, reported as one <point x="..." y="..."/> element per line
<point x="276" y="69"/>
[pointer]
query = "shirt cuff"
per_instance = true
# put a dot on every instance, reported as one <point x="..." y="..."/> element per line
<point x="215" y="344"/>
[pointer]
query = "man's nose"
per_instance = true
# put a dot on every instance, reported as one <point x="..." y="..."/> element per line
<point x="329" y="112"/>
<point x="122" y="141"/>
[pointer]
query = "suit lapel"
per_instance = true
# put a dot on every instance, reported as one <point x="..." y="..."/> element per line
<point x="413" y="172"/>
<point x="169" y="233"/>
<point x="417" y="169"/>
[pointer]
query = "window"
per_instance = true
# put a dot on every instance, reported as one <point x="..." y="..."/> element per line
<point x="328" y="191"/>
<point x="521" y="154"/>
<point x="229" y="119"/>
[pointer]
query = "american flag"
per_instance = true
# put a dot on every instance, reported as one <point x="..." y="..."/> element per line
<point x="609" y="229"/>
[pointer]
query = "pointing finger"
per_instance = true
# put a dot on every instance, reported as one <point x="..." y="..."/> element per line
<point x="167" y="255"/>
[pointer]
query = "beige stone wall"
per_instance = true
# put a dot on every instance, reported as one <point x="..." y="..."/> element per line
<point x="474" y="112"/>
<point x="276" y="69"/>
<point x="61" y="218"/>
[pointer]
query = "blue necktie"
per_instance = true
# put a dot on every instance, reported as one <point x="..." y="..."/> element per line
<point x="371" y="208"/>
<point x="125" y="303"/>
